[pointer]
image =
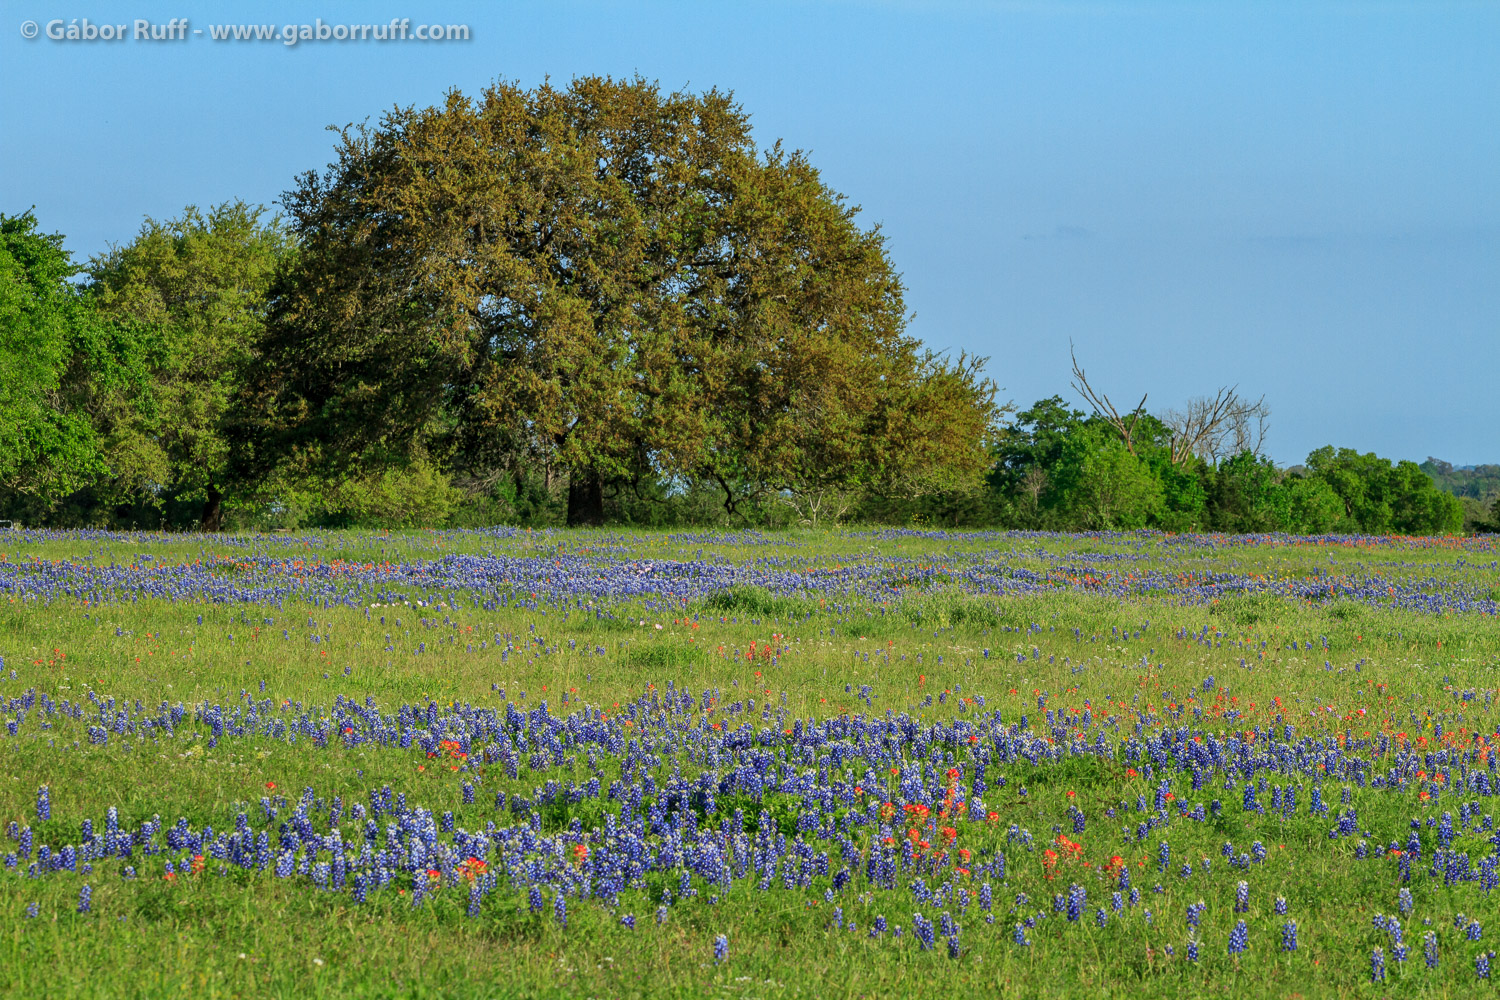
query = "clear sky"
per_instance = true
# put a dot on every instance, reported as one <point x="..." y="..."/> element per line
<point x="1301" y="197"/>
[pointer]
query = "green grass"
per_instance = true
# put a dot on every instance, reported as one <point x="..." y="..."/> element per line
<point x="251" y="935"/>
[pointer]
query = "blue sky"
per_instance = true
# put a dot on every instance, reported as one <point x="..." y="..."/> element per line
<point x="1300" y="197"/>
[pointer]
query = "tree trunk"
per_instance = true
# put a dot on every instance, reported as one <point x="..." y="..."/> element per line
<point x="213" y="510"/>
<point x="585" y="499"/>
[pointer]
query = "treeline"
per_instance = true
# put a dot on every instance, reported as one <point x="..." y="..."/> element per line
<point x="1477" y="488"/>
<point x="585" y="305"/>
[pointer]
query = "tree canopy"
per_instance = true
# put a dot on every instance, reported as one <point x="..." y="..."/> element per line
<point x="610" y="280"/>
<point x="58" y="359"/>
<point x="199" y="283"/>
<point x="599" y="301"/>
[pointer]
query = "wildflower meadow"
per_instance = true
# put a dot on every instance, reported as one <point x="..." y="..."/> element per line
<point x="864" y="763"/>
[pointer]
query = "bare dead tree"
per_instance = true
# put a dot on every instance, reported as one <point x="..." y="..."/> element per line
<point x="1104" y="408"/>
<point x="1219" y="427"/>
<point x="1250" y="428"/>
<point x="1211" y="428"/>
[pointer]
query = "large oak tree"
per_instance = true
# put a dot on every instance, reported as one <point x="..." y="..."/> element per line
<point x="606" y="279"/>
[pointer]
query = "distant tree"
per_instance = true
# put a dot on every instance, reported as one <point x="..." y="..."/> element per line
<point x="1098" y="484"/>
<point x="1026" y="453"/>
<point x="607" y="280"/>
<point x="1479" y="482"/>
<point x="1316" y="508"/>
<point x="1380" y="498"/>
<point x="1418" y="507"/>
<point x="1248" y="495"/>
<point x="200" y="283"/>
<point x="1207" y="429"/>
<point x="57" y="359"/>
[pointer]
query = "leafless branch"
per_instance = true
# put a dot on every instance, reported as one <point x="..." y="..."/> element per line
<point x="1104" y="408"/>
<point x="1219" y="427"/>
<point x="1211" y="428"/>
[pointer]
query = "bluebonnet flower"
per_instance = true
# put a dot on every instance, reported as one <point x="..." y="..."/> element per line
<point x="560" y="909"/>
<point x="1289" y="936"/>
<point x="628" y="921"/>
<point x="661" y="914"/>
<point x="1404" y="902"/>
<point x="922" y="927"/>
<point x="1242" y="897"/>
<point x="1281" y="906"/>
<point x="1482" y="964"/>
<point x="43" y="803"/>
<point x="1430" y="949"/>
<point x="31" y="909"/>
<point x="721" y="948"/>
<point x="1076" y="899"/>
<point x="1473" y="932"/>
<point x="1239" y="938"/>
<point x="1377" y="965"/>
<point x="85" y="898"/>
<point x="1192" y="951"/>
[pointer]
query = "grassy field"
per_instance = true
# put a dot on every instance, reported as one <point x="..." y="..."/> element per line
<point x="857" y="763"/>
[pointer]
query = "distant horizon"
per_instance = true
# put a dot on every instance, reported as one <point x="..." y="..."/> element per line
<point x="1302" y="199"/>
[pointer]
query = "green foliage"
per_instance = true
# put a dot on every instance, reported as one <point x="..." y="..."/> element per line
<point x="669" y="658"/>
<point x="1381" y="498"/>
<point x="606" y="280"/>
<point x="757" y="602"/>
<point x="199" y="284"/>
<point x="950" y="609"/>
<point x="1251" y="609"/>
<point x="1056" y="468"/>
<point x="416" y="496"/>
<point x="1249" y="496"/>
<point x="1101" y="485"/>
<point x="1478" y="482"/>
<point x="1316" y="507"/>
<point x="58" y="359"/>
<point x="643" y="319"/>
